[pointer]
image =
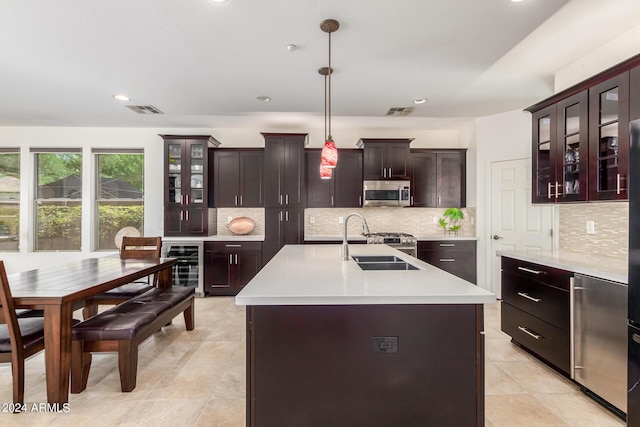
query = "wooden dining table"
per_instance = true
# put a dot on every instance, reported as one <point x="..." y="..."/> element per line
<point x="58" y="290"/>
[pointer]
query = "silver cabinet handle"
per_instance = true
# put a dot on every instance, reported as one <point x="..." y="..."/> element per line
<point x="331" y="200"/>
<point x="439" y="200"/>
<point x="360" y="200"/>
<point x="384" y="172"/>
<point x="187" y="199"/>
<point x="181" y="215"/>
<point x="286" y="215"/>
<point x="280" y="216"/>
<point x="186" y="215"/>
<point x="529" y="297"/>
<point x="236" y="201"/>
<point x="232" y="246"/>
<point x="447" y="260"/>
<point x="390" y="173"/>
<point x="241" y="201"/>
<point x="286" y="199"/>
<point x="557" y="192"/>
<point x="235" y="257"/>
<point x="528" y="270"/>
<point x="281" y="200"/>
<point x="447" y="245"/>
<point x="526" y="331"/>
<point x="548" y="190"/>
<point x="230" y="259"/>
<point x="617" y="183"/>
<point x="412" y="200"/>
<point x="636" y="338"/>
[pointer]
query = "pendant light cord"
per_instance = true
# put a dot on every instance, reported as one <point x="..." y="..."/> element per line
<point x="325" y="107"/>
<point x="330" y="72"/>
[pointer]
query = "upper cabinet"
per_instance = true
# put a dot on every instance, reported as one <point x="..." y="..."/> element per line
<point x="344" y="189"/>
<point x="237" y="178"/>
<point x="186" y="192"/>
<point x="560" y="151"/>
<point x="438" y="178"/>
<point x="284" y="170"/>
<point x="581" y="138"/>
<point x="609" y="138"/>
<point x="385" y="158"/>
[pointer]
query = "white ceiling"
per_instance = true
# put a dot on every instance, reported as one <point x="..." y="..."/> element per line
<point x="203" y="64"/>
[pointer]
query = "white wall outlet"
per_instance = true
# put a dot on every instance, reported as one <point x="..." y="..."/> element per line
<point x="340" y="220"/>
<point x="435" y="219"/>
<point x="229" y="219"/>
<point x="591" y="227"/>
<point x="473" y="220"/>
<point x="312" y="220"/>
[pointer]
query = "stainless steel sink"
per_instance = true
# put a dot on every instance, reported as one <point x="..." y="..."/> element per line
<point x="382" y="262"/>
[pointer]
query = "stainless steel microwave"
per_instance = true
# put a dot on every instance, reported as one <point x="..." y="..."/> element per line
<point x="386" y="193"/>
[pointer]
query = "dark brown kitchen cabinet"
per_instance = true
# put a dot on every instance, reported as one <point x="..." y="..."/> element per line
<point x="457" y="257"/>
<point x="237" y="178"/>
<point x="535" y="310"/>
<point x="634" y="94"/>
<point x="438" y="178"/>
<point x="283" y="226"/>
<point x="186" y="192"/>
<point x="560" y="151"/>
<point x="284" y="170"/>
<point x="344" y="189"/>
<point x="609" y="139"/>
<point x="229" y="266"/>
<point x="385" y="158"/>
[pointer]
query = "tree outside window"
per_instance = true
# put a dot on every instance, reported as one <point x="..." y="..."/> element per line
<point x="9" y="199"/>
<point x="58" y="201"/>
<point x="119" y="194"/>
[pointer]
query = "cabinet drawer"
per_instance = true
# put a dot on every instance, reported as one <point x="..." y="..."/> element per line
<point x="549" y="303"/>
<point x="542" y="338"/>
<point x="450" y="260"/>
<point x="541" y="273"/>
<point x="231" y="246"/>
<point x="447" y="245"/>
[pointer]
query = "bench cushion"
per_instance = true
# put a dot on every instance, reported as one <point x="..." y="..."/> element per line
<point x="124" y="292"/>
<point x="125" y="320"/>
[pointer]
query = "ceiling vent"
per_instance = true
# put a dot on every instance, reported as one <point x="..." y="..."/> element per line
<point x="144" y="109"/>
<point x="399" y="111"/>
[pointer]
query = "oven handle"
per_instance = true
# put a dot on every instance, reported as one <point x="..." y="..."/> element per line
<point x="399" y="194"/>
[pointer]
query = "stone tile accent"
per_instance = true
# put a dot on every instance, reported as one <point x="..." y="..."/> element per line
<point x="612" y="228"/>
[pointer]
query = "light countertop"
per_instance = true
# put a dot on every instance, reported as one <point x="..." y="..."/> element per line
<point x="316" y="275"/>
<point x="358" y="237"/>
<point x="608" y="268"/>
<point x="217" y="238"/>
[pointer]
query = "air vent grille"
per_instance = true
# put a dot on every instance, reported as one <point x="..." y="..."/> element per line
<point x="399" y="111"/>
<point x="144" y="109"/>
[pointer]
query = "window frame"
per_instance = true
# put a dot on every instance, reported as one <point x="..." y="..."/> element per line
<point x="15" y="150"/>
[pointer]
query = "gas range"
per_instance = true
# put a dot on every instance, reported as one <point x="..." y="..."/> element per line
<point x="401" y="241"/>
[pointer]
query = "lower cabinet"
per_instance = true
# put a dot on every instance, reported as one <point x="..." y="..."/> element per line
<point x="283" y="226"/>
<point x="229" y="266"/>
<point x="457" y="257"/>
<point x="535" y="310"/>
<point x="186" y="222"/>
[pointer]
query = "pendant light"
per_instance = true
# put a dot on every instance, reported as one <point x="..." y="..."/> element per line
<point x="325" y="170"/>
<point x="329" y="151"/>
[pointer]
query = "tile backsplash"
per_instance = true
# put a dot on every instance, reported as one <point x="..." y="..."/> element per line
<point x="611" y="228"/>
<point x="416" y="221"/>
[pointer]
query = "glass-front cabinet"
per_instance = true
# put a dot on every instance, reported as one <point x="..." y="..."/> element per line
<point x="609" y="138"/>
<point x="560" y="148"/>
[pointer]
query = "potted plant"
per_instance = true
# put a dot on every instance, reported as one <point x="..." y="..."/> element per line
<point x="450" y="220"/>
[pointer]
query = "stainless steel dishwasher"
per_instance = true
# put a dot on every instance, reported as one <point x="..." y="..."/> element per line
<point x="599" y="338"/>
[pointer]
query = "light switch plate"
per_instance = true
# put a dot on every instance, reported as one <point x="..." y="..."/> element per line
<point x="340" y="220"/>
<point x="312" y="220"/>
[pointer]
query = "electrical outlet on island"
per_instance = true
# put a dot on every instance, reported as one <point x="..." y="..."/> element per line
<point x="340" y="220"/>
<point x="591" y="227"/>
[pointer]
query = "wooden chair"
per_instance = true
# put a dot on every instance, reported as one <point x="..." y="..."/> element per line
<point x="131" y="248"/>
<point x="19" y="338"/>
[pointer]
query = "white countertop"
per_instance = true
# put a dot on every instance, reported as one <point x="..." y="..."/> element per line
<point x="608" y="268"/>
<point x="441" y="237"/>
<point x="316" y="275"/>
<point x="359" y="237"/>
<point x="216" y="238"/>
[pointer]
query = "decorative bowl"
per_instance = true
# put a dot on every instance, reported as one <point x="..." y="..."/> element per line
<point x="241" y="225"/>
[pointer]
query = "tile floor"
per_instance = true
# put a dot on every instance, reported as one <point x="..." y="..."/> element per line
<point x="198" y="379"/>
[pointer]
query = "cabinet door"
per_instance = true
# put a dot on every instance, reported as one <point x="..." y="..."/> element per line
<point x="174" y="165"/>
<point x="274" y="155"/>
<point x="423" y="179"/>
<point x="273" y="233"/>
<point x="226" y="170"/>
<point x="397" y="160"/>
<point x="173" y="225"/>
<point x="217" y="271"/>
<point x="248" y="265"/>
<point x="634" y="94"/>
<point x="544" y="155"/>
<point x="294" y="173"/>
<point x="348" y="179"/>
<point x="194" y="184"/>
<point x="293" y="227"/>
<point x="319" y="191"/>
<point x="251" y="182"/>
<point x="374" y="166"/>
<point x="450" y="168"/>
<point x="609" y="139"/>
<point x="195" y="222"/>
<point x="572" y="145"/>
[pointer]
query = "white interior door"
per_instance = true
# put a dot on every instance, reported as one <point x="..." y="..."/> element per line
<point x="516" y="224"/>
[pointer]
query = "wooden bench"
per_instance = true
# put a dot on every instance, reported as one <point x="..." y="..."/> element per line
<point x="122" y="328"/>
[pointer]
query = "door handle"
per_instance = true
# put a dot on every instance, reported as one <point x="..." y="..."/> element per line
<point x="526" y="331"/>
<point x="447" y="260"/>
<point x="528" y="270"/>
<point x="496" y="237"/>
<point x="529" y="297"/>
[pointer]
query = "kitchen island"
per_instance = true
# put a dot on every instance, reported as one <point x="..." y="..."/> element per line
<point x="331" y="344"/>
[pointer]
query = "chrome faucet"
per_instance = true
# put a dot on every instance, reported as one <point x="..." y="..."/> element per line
<point x="345" y="245"/>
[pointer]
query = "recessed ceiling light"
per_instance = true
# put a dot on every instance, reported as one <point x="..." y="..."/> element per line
<point x="291" y="47"/>
<point x="219" y="1"/>
<point x="122" y="97"/>
<point x="516" y="1"/>
<point x="263" y="98"/>
<point x="419" y="101"/>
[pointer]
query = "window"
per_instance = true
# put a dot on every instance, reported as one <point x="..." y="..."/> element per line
<point x="119" y="194"/>
<point x="58" y="200"/>
<point x="9" y="199"/>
